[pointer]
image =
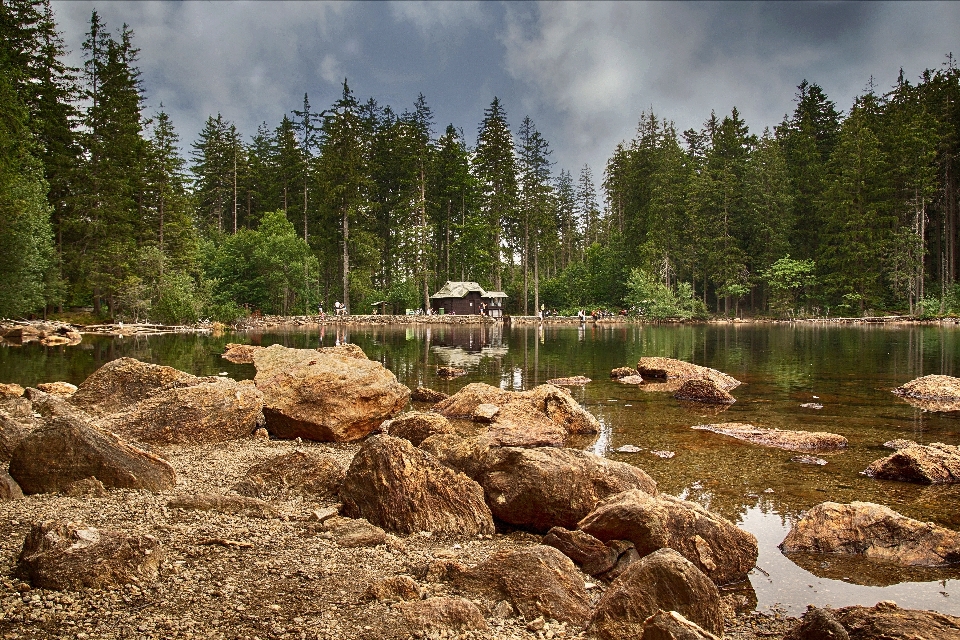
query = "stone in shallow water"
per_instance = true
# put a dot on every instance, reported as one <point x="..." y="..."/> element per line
<point x="809" y="460"/>
<point x="936" y="463"/>
<point x="778" y="438"/>
<point x="629" y="448"/>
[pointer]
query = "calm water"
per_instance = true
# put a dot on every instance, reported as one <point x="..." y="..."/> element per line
<point x="850" y="371"/>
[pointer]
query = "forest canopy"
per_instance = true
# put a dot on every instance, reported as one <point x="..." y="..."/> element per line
<point x="827" y="212"/>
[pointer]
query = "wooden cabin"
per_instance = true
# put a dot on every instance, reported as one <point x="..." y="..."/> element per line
<point x="465" y="298"/>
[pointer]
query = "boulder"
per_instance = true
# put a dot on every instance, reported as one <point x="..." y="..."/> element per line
<point x="239" y="353"/>
<point x="10" y="390"/>
<point x="663" y="580"/>
<point x="120" y="383"/>
<point x="403" y="489"/>
<point x="441" y="614"/>
<point x="550" y="487"/>
<point x="538" y="581"/>
<point x="237" y="505"/>
<point x="393" y="589"/>
<point x="936" y="463"/>
<point x="423" y="394"/>
<point x="623" y="372"/>
<point x="66" y="450"/>
<point x="354" y="532"/>
<point x="211" y="409"/>
<point x="347" y="349"/>
<point x="703" y="390"/>
<point x="23" y="333"/>
<point x="545" y="415"/>
<point x="325" y="396"/>
<point x="670" y="625"/>
<point x="934" y="388"/>
<point x="300" y="472"/>
<point x="673" y="369"/>
<point x="11" y="433"/>
<point x="62" y="389"/>
<point x="574" y="381"/>
<point x="9" y="489"/>
<point x="717" y="547"/>
<point x="589" y="553"/>
<point x="466" y="455"/>
<point x="450" y="372"/>
<point x="887" y="621"/>
<point x="778" y="438"/>
<point x="872" y="531"/>
<point x="417" y="426"/>
<point x="817" y="624"/>
<point x="633" y="380"/>
<point x="19" y="408"/>
<point x="898" y="443"/>
<point x="63" y="555"/>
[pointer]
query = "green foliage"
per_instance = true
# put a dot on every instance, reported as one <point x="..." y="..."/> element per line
<point x="789" y="281"/>
<point x="649" y="297"/>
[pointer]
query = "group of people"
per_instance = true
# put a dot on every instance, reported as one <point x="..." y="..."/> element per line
<point x="339" y="309"/>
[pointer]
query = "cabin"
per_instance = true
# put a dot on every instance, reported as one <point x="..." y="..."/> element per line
<point x="465" y="298"/>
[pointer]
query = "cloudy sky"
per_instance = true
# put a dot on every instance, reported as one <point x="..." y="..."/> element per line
<point x="583" y="72"/>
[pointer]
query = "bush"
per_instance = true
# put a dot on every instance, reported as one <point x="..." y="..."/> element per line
<point x="649" y="297"/>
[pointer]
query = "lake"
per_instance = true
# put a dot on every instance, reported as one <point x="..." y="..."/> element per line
<point x="848" y="370"/>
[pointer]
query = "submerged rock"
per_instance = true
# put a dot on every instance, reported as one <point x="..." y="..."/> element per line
<point x="423" y="394"/>
<point x="703" y="390"/>
<point x="673" y="369"/>
<point x="623" y="372"/>
<point x="633" y="380"/>
<point x="575" y="381"/>
<point x="934" y="387"/>
<point x="872" y="531"/>
<point x="936" y="463"/>
<point x="779" y="438"/>
<point x="239" y="353"/>
<point x="450" y="372"/>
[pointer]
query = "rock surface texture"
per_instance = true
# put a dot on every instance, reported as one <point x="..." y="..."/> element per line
<point x="672" y="369"/>
<point x="417" y="426"/>
<point x="402" y="489"/>
<point x="589" y="553"/>
<point x="63" y="389"/>
<point x="423" y="394"/>
<point x="703" y="390"/>
<point x="239" y="353"/>
<point x="663" y="580"/>
<point x="873" y="531"/>
<point x="543" y="416"/>
<point x="72" y="556"/>
<point x="441" y="614"/>
<point x="818" y="624"/>
<point x="717" y="547"/>
<point x="936" y="463"/>
<point x="778" y="438"/>
<point x="933" y="393"/>
<point x="301" y="472"/>
<point x="325" y="396"/>
<point x="120" y="383"/>
<point x="887" y="621"/>
<point x="670" y="625"/>
<point x="66" y="450"/>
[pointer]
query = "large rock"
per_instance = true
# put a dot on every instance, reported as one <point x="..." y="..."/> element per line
<point x="441" y="614"/>
<point x="11" y="433"/>
<point x="417" y="426"/>
<point x="239" y="353"/>
<point x="716" y="546"/>
<point x="67" y="449"/>
<point x="9" y="489"/>
<point x="211" y="409"/>
<point x="466" y="455"/>
<point x="589" y="553"/>
<point x="670" y="625"/>
<point x="237" y="505"/>
<point x="703" y="390"/>
<point x="403" y="489"/>
<point x="817" y="624"/>
<point x="325" y="396"/>
<point x="300" y="472"/>
<point x="873" y="531"/>
<point x="424" y="394"/>
<point x="538" y="581"/>
<point x="936" y="463"/>
<point x="545" y="415"/>
<point x="72" y="556"/>
<point x="887" y="621"/>
<point x="663" y="580"/>
<point x="933" y="393"/>
<point x="550" y="487"/>
<point x="10" y="390"/>
<point x="120" y="383"/>
<point x="62" y="389"/>
<point x="673" y="369"/>
<point x="778" y="438"/>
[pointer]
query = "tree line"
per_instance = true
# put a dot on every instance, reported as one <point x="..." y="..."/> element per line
<point x="356" y="202"/>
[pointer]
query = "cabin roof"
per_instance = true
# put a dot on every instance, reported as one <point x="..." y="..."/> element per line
<point x="453" y="289"/>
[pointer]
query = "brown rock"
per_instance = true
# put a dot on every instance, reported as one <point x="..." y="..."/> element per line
<point x="898" y="443"/>
<point x="347" y="349"/>
<point x="72" y="556"/>
<point x="9" y="489"/>
<point x="817" y="624"/>
<point x="62" y="389"/>
<point x="10" y="390"/>
<point x="444" y="613"/>
<point x="662" y="580"/>
<point x="423" y="394"/>
<point x="931" y="388"/>
<point x="545" y="415"/>
<point x="23" y="333"/>
<point x="703" y="390"/>
<point x="632" y="380"/>
<point x="120" y="383"/>
<point x="778" y="438"/>
<point x="672" y="369"/>
<point x="19" y="408"/>
<point x="626" y="558"/>
<point x="86" y="488"/>
<point x="355" y="532"/>
<point x="450" y="372"/>
<point x="392" y="589"/>
<point x="670" y="625"/>
<point x="887" y="621"/>
<point x="590" y="554"/>
<point x="211" y="410"/>
<point x="466" y="455"/>
<point x="575" y="381"/>
<point x="325" y="396"/>
<point x="67" y="449"/>
<point x="873" y="531"/>
<point x="538" y="581"/>
<point x="936" y="463"/>
<point x="240" y="505"/>
<point x="239" y="353"/>
<point x="417" y="426"/>
<point x="485" y="413"/>
<point x="623" y="372"/>
<point x="402" y="489"/>
<point x="292" y="473"/>
<point x="716" y="546"/>
<point x="550" y="487"/>
<point x="11" y="433"/>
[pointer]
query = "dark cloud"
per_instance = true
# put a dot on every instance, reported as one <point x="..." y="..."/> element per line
<point x="582" y="71"/>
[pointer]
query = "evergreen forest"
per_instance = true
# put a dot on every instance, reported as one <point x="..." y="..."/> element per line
<point x="104" y="207"/>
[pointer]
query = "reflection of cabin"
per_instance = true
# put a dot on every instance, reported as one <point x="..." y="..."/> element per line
<point x="464" y="298"/>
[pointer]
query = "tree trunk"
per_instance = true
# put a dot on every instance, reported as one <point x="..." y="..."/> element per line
<point x="346" y="260"/>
